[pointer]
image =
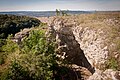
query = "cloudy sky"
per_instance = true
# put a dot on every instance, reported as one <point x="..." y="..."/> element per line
<point x="44" y="5"/>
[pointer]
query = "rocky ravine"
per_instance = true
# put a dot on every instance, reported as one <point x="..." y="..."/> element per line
<point x="88" y="41"/>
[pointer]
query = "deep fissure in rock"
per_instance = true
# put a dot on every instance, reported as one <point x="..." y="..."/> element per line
<point x="73" y="52"/>
<point x="69" y="48"/>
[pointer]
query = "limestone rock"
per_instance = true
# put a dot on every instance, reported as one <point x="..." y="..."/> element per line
<point x="89" y="41"/>
<point x="108" y="74"/>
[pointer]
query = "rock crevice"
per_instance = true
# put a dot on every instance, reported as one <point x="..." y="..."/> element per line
<point x="85" y="44"/>
<point x="68" y="46"/>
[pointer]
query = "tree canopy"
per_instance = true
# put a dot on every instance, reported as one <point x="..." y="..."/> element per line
<point x="11" y="24"/>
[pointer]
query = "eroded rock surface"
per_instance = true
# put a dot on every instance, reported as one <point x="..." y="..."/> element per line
<point x="89" y="42"/>
<point x="68" y="48"/>
<point x="92" y="43"/>
<point x="108" y="74"/>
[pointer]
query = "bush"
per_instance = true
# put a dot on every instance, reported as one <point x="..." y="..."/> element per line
<point x="112" y="64"/>
<point x="39" y="55"/>
<point x="7" y="47"/>
<point x="10" y="46"/>
<point x="11" y="24"/>
<point x="1" y="60"/>
<point x="4" y="75"/>
<point x="36" y="60"/>
<point x="2" y="42"/>
<point x="15" y="72"/>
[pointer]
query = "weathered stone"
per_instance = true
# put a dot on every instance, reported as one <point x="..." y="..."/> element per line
<point x="72" y="51"/>
<point x="88" y="44"/>
<point x="108" y="74"/>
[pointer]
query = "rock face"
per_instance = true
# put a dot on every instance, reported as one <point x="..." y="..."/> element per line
<point x="77" y="41"/>
<point x="20" y="35"/>
<point x="108" y="74"/>
<point x="91" y="43"/>
<point x="68" y="48"/>
<point x="88" y="42"/>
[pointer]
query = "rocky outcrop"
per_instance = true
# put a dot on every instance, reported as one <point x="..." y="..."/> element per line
<point x="92" y="43"/>
<point x="20" y="35"/>
<point x="68" y="48"/>
<point x="87" y="43"/>
<point x="108" y="74"/>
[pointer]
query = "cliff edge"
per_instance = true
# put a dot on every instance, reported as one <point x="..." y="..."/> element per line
<point x="91" y="41"/>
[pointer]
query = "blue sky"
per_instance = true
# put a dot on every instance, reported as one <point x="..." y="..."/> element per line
<point x="44" y="5"/>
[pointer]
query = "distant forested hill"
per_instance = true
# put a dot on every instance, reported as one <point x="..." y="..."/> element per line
<point x="43" y="13"/>
<point x="11" y="24"/>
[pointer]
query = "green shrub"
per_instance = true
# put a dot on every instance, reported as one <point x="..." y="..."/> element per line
<point x="5" y="75"/>
<point x="57" y="12"/>
<point x="15" y="72"/>
<point x="39" y="55"/>
<point x="11" y="24"/>
<point x="2" y="42"/>
<point x="112" y="64"/>
<point x="1" y="60"/>
<point x="10" y="46"/>
<point x="61" y="12"/>
<point x="36" y="59"/>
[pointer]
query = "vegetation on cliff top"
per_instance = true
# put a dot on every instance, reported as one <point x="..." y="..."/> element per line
<point x="35" y="57"/>
<point x="11" y="24"/>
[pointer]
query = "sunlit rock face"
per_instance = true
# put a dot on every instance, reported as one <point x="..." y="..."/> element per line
<point x="77" y="39"/>
<point x="108" y="74"/>
<point x="89" y="41"/>
<point x="68" y="47"/>
<point x="92" y="43"/>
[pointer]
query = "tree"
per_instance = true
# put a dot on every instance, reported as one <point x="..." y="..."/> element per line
<point x="57" y="12"/>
